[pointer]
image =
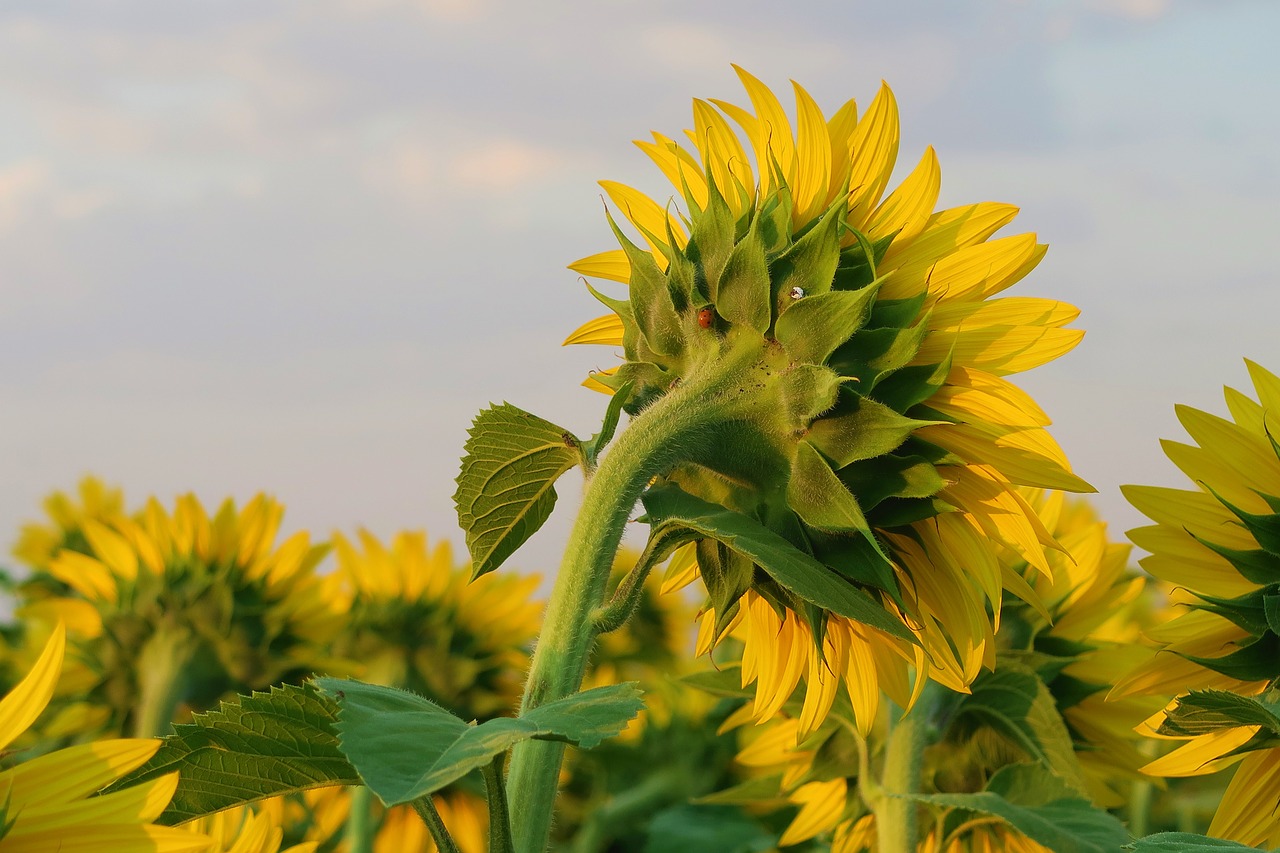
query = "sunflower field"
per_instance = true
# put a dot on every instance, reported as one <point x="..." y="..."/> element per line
<point x="872" y="612"/>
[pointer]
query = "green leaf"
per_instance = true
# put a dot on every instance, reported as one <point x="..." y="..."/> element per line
<point x="1203" y="711"/>
<point x="250" y="748"/>
<point x="812" y="327"/>
<point x="1256" y="661"/>
<point x="748" y="793"/>
<point x="701" y="828"/>
<point x="861" y="429"/>
<point x="725" y="681"/>
<point x="506" y="487"/>
<point x="1015" y="703"/>
<point x="591" y="449"/>
<point x="1183" y="842"/>
<point x="1034" y="802"/>
<point x="791" y="568"/>
<point x="406" y="747"/>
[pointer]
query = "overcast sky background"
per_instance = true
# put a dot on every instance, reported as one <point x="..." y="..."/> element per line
<point x="295" y="246"/>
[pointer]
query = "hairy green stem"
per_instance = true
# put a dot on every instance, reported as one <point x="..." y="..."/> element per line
<point x="675" y="428"/>
<point x="162" y="680"/>
<point x="897" y="826"/>
<point x="496" y="794"/>
<point x="426" y="810"/>
<point x="359" y="829"/>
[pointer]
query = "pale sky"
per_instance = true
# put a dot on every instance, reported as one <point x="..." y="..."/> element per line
<point x="295" y="246"/>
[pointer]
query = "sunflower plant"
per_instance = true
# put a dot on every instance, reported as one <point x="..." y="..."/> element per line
<point x="822" y="429"/>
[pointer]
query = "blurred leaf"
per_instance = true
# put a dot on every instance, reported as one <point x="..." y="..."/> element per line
<point x="791" y="568"/>
<point x="506" y="486"/>
<point x="1203" y="711"/>
<point x="1037" y="804"/>
<point x="1182" y="842"/>
<point x="702" y="828"/>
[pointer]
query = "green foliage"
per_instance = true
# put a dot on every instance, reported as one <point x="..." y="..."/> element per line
<point x="1037" y="804"/>
<point x="699" y="828"/>
<point x="406" y="747"/>
<point x="1182" y="842"/>
<point x="791" y="568"/>
<point x="1015" y="703"/>
<point x="1203" y="711"/>
<point x="250" y="748"/>
<point x="506" y="486"/>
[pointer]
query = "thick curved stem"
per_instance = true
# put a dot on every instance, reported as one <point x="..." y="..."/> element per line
<point x="673" y="429"/>
<point x="162" y="680"/>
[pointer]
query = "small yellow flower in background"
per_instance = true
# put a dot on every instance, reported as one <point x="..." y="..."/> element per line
<point x="46" y="803"/>
<point x="1218" y="547"/>
<point x="38" y="543"/>
<point x="892" y="448"/>
<point x="173" y="610"/>
<point x="245" y="830"/>
<point x="412" y="619"/>
<point x="1081" y="628"/>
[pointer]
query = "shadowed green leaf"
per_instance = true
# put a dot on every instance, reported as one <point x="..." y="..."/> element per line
<point x="1183" y="842"/>
<point x="250" y="748"/>
<point x="506" y="487"/>
<point x="1203" y="711"/>
<point x="1036" y="804"/>
<point x="406" y="747"/>
<point x="793" y="570"/>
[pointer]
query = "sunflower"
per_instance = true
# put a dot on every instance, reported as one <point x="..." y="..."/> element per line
<point x="1217" y="545"/>
<point x="1076" y="636"/>
<point x="179" y="609"/>
<point x="319" y="816"/>
<point x="856" y="360"/>
<point x="38" y="543"/>
<point x="246" y="830"/>
<point x="413" y="620"/>
<point x="46" y="803"/>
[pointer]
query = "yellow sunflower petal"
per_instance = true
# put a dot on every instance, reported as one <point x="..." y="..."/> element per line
<point x="909" y="207"/>
<point x="605" y="330"/>
<point x="1202" y="755"/>
<point x="25" y="702"/>
<point x="821" y="805"/>
<point x="612" y="265"/>
<point x="1248" y="812"/>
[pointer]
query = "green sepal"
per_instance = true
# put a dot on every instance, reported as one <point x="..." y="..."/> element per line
<point x="897" y="313"/>
<point x="792" y="569"/>
<point x="248" y="749"/>
<point x="1264" y="528"/>
<point x="773" y="219"/>
<point x="855" y="271"/>
<point x="813" y="326"/>
<point x="630" y="331"/>
<point x="650" y="299"/>
<point x="858" y="559"/>
<point x="1258" y="566"/>
<point x="891" y="476"/>
<point x="711" y="241"/>
<point x="910" y="386"/>
<point x="810" y="262"/>
<point x="819" y="498"/>
<point x="805" y="392"/>
<point x="862" y="428"/>
<point x="1037" y="804"/>
<point x="727" y="575"/>
<point x="1256" y="661"/>
<point x="742" y="296"/>
<point x="1254" y="611"/>
<point x="648" y="381"/>
<point x="591" y="449"/>
<point x="900" y="512"/>
<point x="406" y="747"/>
<point x="506" y="486"/>
<point x="874" y="354"/>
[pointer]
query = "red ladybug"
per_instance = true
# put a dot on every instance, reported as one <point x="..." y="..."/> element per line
<point x="706" y="317"/>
